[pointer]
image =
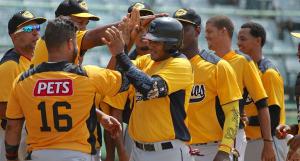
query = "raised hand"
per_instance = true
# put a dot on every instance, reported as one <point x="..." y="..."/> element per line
<point x="114" y="40"/>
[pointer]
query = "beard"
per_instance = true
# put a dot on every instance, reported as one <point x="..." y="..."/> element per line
<point x="144" y="48"/>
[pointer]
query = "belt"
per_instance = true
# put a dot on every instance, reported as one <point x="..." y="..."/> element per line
<point x="212" y="142"/>
<point x="151" y="147"/>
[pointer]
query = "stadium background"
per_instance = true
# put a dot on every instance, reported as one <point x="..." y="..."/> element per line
<point x="279" y="17"/>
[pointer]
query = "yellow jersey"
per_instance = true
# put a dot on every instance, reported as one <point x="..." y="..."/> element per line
<point x="40" y="54"/>
<point x="57" y="101"/>
<point x="163" y="118"/>
<point x="11" y="65"/>
<point x="215" y="84"/>
<point x="247" y="78"/>
<point x="273" y="84"/>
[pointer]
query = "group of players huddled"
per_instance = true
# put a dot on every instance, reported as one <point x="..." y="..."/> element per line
<point x="179" y="102"/>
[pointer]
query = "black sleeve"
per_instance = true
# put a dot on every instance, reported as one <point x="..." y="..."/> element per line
<point x="274" y="117"/>
<point x="147" y="87"/>
<point x="262" y="103"/>
<point x="274" y="111"/>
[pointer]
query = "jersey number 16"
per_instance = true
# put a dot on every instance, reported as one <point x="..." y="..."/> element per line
<point x="56" y="117"/>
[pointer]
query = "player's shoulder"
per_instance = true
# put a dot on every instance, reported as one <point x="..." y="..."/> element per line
<point x="92" y="70"/>
<point x="243" y="56"/>
<point x="210" y="56"/>
<point x="54" y="67"/>
<point x="10" y="56"/>
<point x="266" y="65"/>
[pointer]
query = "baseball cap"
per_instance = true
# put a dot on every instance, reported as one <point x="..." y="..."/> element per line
<point x="77" y="8"/>
<point x="188" y="15"/>
<point x="295" y="34"/>
<point x="144" y="8"/>
<point x="22" y="17"/>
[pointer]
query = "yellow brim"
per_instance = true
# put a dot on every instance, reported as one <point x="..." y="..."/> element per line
<point x="295" y="34"/>
<point x="188" y="21"/>
<point x="87" y="15"/>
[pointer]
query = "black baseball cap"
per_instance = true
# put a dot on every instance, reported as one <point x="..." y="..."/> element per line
<point x="22" y="17"/>
<point x="144" y="8"/>
<point x="188" y="15"/>
<point x="77" y="8"/>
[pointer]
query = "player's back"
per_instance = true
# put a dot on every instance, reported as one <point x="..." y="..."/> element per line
<point x="57" y="101"/>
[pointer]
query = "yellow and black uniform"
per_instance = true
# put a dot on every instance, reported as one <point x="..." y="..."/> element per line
<point x="11" y="65"/>
<point x="123" y="101"/>
<point x="273" y="84"/>
<point x="248" y="79"/>
<point x="161" y="102"/>
<point x="57" y="101"/>
<point x="215" y="86"/>
<point x="41" y="53"/>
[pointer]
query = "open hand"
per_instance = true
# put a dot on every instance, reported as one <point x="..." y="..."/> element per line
<point x="114" y="40"/>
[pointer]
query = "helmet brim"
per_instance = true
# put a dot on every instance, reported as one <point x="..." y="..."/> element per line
<point x="151" y="37"/>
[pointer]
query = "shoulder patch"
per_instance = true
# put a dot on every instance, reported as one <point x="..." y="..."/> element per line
<point x="52" y="67"/>
<point x="244" y="55"/>
<point x="209" y="56"/>
<point x="10" y="55"/>
<point x="266" y="64"/>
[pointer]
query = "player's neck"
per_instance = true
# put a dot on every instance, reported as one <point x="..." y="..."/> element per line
<point x="24" y="52"/>
<point x="256" y="55"/>
<point x="224" y="48"/>
<point x="58" y="57"/>
<point x="191" y="51"/>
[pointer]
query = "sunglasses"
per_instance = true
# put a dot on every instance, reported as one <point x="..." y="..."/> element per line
<point x="29" y="28"/>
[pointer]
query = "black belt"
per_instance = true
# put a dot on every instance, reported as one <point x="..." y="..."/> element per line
<point x="212" y="142"/>
<point x="151" y="147"/>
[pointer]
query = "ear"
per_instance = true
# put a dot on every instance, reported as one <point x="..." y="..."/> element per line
<point x="198" y="30"/>
<point x="258" y="40"/>
<point x="70" y="44"/>
<point x="14" y="37"/>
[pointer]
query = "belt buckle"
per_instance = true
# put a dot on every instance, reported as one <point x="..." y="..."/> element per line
<point x="149" y="147"/>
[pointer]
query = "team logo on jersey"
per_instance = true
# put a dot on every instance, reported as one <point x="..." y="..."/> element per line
<point x="248" y="100"/>
<point x="180" y="12"/>
<point x="139" y="6"/>
<point x="53" y="87"/>
<point x="198" y="93"/>
<point x="27" y="14"/>
<point x="83" y="4"/>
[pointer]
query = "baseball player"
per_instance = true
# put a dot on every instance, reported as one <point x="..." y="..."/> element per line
<point x="56" y="99"/>
<point x="85" y="39"/>
<point x="282" y="130"/>
<point x="23" y="29"/>
<point x="218" y="33"/>
<point x="215" y="95"/>
<point x="251" y="39"/>
<point x="121" y="105"/>
<point x="158" y="120"/>
<point x="77" y="11"/>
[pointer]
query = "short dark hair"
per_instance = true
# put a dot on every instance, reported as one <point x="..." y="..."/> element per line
<point x="256" y="30"/>
<point x="222" y="22"/>
<point x="59" y="31"/>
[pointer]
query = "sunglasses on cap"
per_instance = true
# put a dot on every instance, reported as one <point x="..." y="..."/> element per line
<point x="29" y="28"/>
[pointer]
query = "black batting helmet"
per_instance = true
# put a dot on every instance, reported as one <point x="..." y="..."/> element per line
<point x="167" y="30"/>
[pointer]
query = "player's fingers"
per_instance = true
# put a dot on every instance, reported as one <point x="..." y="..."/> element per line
<point x="117" y="32"/>
<point x="113" y="33"/>
<point x="105" y="41"/>
<point x="109" y="35"/>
